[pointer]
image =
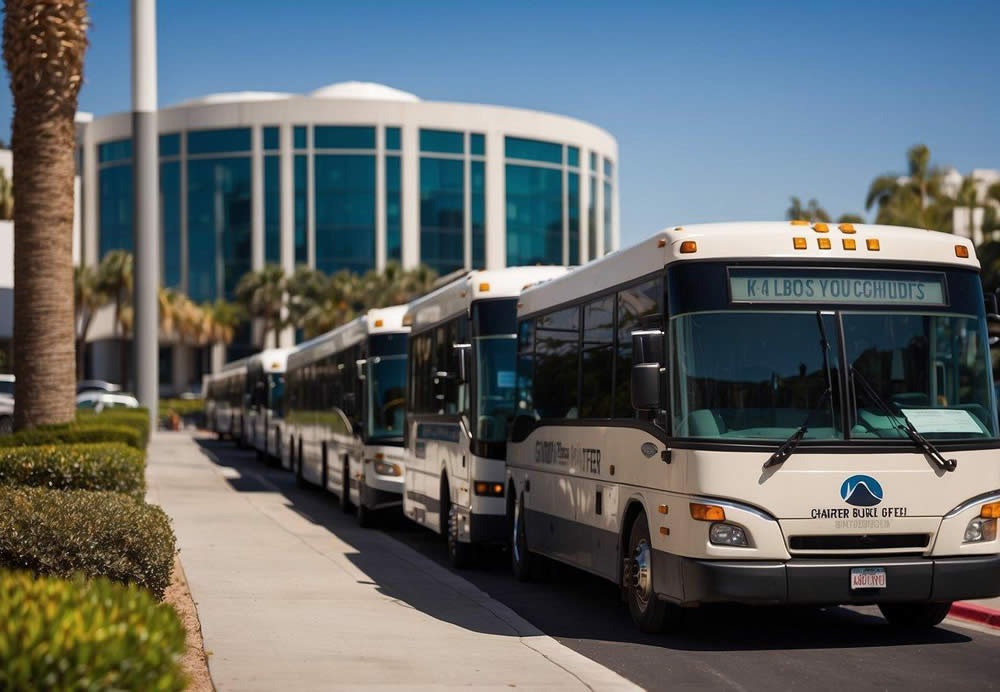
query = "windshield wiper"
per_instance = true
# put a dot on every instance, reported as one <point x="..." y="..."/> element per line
<point x="925" y="445"/>
<point x="788" y="446"/>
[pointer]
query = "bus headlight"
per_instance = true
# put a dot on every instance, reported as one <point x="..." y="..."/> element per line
<point x="728" y="534"/>
<point x="980" y="530"/>
<point x="384" y="468"/>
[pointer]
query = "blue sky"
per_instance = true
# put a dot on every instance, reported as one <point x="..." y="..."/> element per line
<point x="721" y="110"/>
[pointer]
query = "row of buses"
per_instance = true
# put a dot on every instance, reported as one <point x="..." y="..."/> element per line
<point x="765" y="413"/>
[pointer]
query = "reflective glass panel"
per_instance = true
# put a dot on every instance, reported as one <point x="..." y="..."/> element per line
<point x="118" y="150"/>
<point x="496" y="360"/>
<point x="392" y="138"/>
<point x="598" y="362"/>
<point x="593" y="161"/>
<point x="393" y="209"/>
<point x="442" y="141"/>
<point x="218" y="226"/>
<point x="345" y="212"/>
<point x="608" y="223"/>
<point x="534" y="215"/>
<point x="301" y="211"/>
<point x="170" y="145"/>
<point x="441" y="214"/>
<point x="343" y="137"/>
<point x="271" y="138"/>
<point x="573" y="156"/>
<point x="609" y="168"/>
<point x="386" y="397"/>
<point x="639" y="307"/>
<point x="299" y="137"/>
<point x="573" y="206"/>
<point x="556" y="364"/>
<point x="272" y="209"/>
<point x="170" y="222"/>
<point x="218" y="141"/>
<point x="478" y="213"/>
<point x="477" y="144"/>
<point x="115" y="208"/>
<point x="533" y="150"/>
<point x="592" y="219"/>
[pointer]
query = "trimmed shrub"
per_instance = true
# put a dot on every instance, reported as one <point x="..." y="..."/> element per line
<point x="86" y="635"/>
<point x="137" y="418"/>
<point x="74" y="433"/>
<point x="105" y="466"/>
<point x="182" y="407"/>
<point x="101" y="534"/>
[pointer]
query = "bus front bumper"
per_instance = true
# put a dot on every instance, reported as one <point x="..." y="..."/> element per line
<point x="691" y="581"/>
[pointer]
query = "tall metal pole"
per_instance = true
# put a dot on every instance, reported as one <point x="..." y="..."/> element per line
<point x="146" y="269"/>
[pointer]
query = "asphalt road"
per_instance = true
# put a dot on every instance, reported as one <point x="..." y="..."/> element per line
<point x="722" y="647"/>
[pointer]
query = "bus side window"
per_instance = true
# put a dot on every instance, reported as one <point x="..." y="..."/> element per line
<point x="639" y="307"/>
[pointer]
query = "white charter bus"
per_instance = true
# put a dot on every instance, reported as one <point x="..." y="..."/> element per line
<point x="763" y="413"/>
<point x="460" y="399"/>
<point x="264" y="410"/>
<point x="224" y="400"/>
<point x="346" y="392"/>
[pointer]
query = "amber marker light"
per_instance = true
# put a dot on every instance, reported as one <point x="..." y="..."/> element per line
<point x="664" y="531"/>
<point x="824" y="243"/>
<point x="662" y="509"/>
<point x="484" y="287"/>
<point x="662" y="242"/>
<point x="707" y="512"/>
<point x="850" y="244"/>
<point x="872" y="244"/>
<point x="990" y="511"/>
<point x="961" y="251"/>
<point x="821" y="228"/>
<point x="799" y="243"/>
<point x="799" y="222"/>
<point x="689" y="246"/>
<point x="847" y="228"/>
<point x="378" y="323"/>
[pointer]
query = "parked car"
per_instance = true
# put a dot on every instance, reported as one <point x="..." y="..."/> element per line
<point x="96" y="386"/>
<point x="7" y="386"/>
<point x="6" y="415"/>
<point x="99" y="401"/>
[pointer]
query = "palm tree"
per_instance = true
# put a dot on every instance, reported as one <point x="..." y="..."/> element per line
<point x="115" y="279"/>
<point x="910" y="199"/>
<point x="812" y="212"/>
<point x="88" y="298"/>
<point x="220" y="321"/>
<point x="44" y="44"/>
<point x="6" y="197"/>
<point x="305" y="288"/>
<point x="262" y="294"/>
<point x="395" y="286"/>
<point x="850" y="218"/>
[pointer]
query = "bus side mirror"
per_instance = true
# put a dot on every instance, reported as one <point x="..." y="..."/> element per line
<point x="647" y="354"/>
<point x="463" y="350"/>
<point x="992" y="310"/>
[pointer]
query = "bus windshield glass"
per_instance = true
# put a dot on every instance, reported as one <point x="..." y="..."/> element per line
<point x="386" y="396"/>
<point x="496" y="358"/>
<point x="276" y="382"/>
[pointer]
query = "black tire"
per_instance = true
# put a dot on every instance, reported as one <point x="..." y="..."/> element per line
<point x="345" y="488"/>
<point x="6" y="425"/>
<point x="300" y="480"/>
<point x="649" y="613"/>
<point x="366" y="515"/>
<point x="459" y="554"/>
<point x="324" y="475"/>
<point x="915" y="616"/>
<point x="523" y="564"/>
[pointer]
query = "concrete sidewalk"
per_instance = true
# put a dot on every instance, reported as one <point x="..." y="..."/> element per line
<point x="302" y="598"/>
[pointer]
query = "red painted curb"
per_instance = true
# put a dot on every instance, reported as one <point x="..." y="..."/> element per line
<point x="975" y="613"/>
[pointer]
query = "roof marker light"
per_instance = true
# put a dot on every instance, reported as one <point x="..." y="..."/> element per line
<point x="961" y="251"/>
<point x="821" y="228"/>
<point x="483" y="287"/>
<point x="662" y="242"/>
<point x="799" y="243"/>
<point x="850" y="244"/>
<point x="678" y="228"/>
<point x="379" y="323"/>
<point x="799" y="222"/>
<point x="824" y="243"/>
<point x="872" y="244"/>
<point x="847" y="228"/>
<point x="408" y="320"/>
<point x="689" y="246"/>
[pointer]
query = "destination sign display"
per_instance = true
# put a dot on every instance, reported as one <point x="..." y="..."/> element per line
<point x="843" y="286"/>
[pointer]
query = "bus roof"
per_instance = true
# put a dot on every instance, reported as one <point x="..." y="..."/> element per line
<point x="456" y="296"/>
<point x="375" y="321"/>
<point x="271" y="359"/>
<point x="765" y="240"/>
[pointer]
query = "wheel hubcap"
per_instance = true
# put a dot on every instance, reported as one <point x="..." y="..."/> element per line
<point x="641" y="574"/>
<point x="515" y="543"/>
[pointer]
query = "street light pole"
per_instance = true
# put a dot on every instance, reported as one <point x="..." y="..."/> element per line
<point x="146" y="268"/>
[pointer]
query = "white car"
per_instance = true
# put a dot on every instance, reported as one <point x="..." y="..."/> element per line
<point x="101" y="400"/>
<point x="7" y="386"/>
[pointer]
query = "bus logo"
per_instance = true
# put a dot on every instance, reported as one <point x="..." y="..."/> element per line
<point x="861" y="491"/>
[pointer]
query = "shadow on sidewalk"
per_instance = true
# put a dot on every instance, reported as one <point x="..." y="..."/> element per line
<point x="568" y="603"/>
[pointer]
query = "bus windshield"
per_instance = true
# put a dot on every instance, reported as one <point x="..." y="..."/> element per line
<point x="496" y="358"/>
<point x="752" y="374"/>
<point x="276" y="385"/>
<point x="386" y="397"/>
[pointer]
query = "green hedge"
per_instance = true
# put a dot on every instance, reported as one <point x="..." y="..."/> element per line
<point x="137" y="418"/>
<point x="75" y="433"/>
<point x="106" y="466"/>
<point x="182" y="407"/>
<point x="86" y="635"/>
<point x="101" y="534"/>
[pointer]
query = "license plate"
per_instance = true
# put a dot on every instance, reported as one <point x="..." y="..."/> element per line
<point x="868" y="578"/>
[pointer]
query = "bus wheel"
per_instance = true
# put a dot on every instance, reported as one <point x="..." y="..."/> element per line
<point x="345" y="488"/>
<point x="522" y="562"/>
<point x="366" y="516"/>
<point x="459" y="554"/>
<point x="648" y="612"/>
<point x="915" y="616"/>
<point x="300" y="479"/>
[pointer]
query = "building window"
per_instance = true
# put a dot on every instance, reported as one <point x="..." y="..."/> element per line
<point x="301" y="183"/>
<point x="272" y="141"/>
<point x="393" y="209"/>
<point x="345" y="212"/>
<point x="170" y="145"/>
<point x="533" y="150"/>
<point x="170" y="221"/>
<point x="218" y="226"/>
<point x="477" y="212"/>
<point x="218" y="141"/>
<point x="115" y="208"/>
<point x="592" y="218"/>
<point x="477" y="144"/>
<point x="117" y="150"/>
<point x="272" y="209"/>
<point x="593" y="162"/>
<point x="534" y="215"/>
<point x="573" y="208"/>
<point x="608" y="201"/>
<point x="343" y="137"/>
<point x="442" y="141"/>
<point x="573" y="156"/>
<point x="392" y="138"/>
<point x="441" y="213"/>
<point x="299" y="137"/>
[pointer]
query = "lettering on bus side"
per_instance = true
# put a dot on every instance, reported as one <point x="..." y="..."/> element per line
<point x="581" y="459"/>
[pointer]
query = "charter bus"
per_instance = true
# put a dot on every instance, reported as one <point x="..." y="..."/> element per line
<point x="345" y="402"/>
<point x="766" y="413"/>
<point x="224" y="394"/>
<point x="460" y="398"/>
<point x="264" y="405"/>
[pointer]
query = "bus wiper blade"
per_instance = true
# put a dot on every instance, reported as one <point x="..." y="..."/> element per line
<point x="787" y="447"/>
<point x="925" y="445"/>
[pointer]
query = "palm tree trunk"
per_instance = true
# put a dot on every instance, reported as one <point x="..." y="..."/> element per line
<point x="43" y="46"/>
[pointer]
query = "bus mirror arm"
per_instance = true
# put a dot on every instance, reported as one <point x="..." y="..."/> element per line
<point x="993" y="317"/>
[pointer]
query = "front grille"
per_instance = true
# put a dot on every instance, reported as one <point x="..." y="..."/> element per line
<point x="868" y="541"/>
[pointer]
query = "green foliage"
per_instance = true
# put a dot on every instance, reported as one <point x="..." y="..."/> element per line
<point x="106" y="466"/>
<point x="182" y="407"/>
<point x="82" y="432"/>
<point x="101" y="534"/>
<point x="137" y="418"/>
<point x="86" y="635"/>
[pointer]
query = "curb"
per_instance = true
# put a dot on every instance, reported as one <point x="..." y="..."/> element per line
<point x="975" y="613"/>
